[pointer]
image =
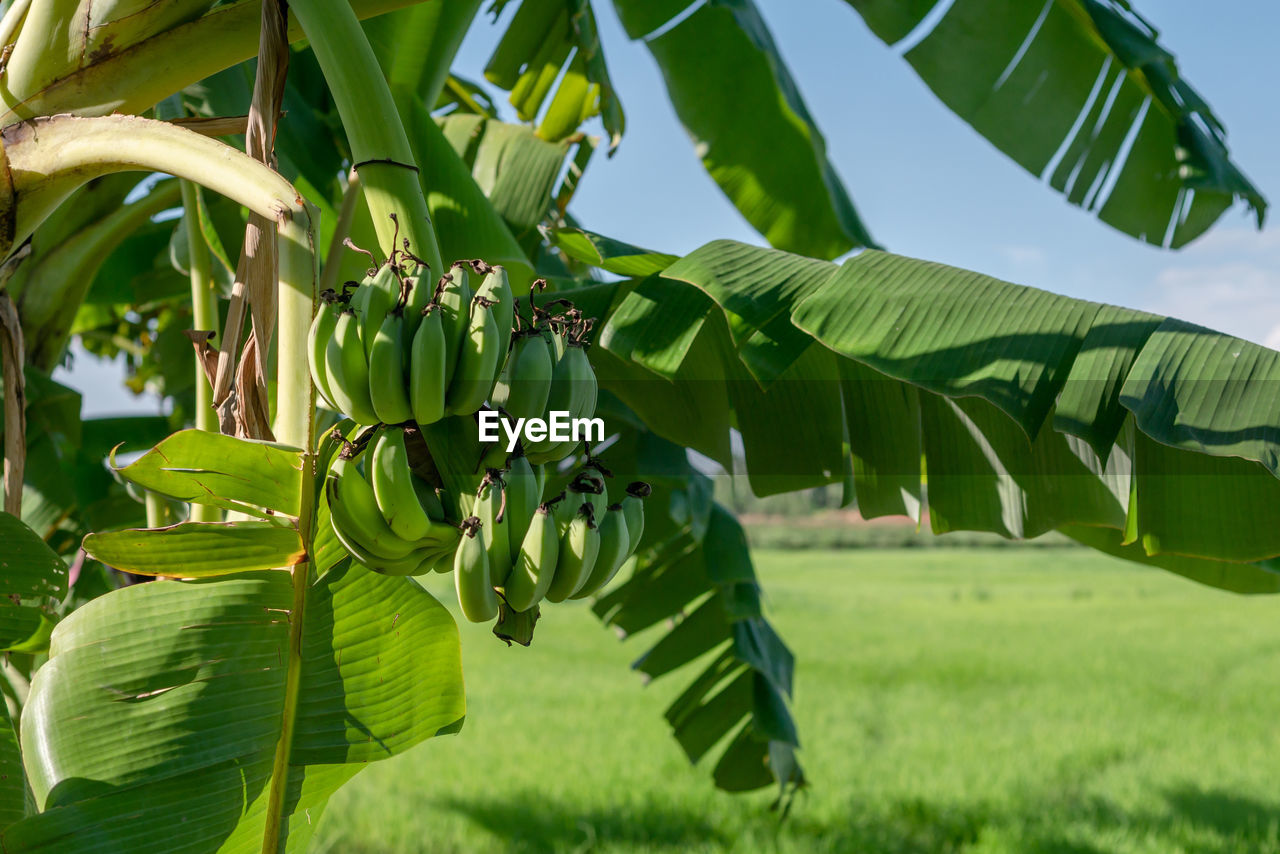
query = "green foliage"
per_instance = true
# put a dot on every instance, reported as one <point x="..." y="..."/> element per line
<point x="222" y="471"/>
<point x="899" y="384"/>
<point x="33" y="580"/>
<point x="978" y="395"/>
<point x="1023" y="85"/>
<point x="196" y="675"/>
<point x="744" y="112"/>
<point x="1011" y="701"/>
<point x="198" y="549"/>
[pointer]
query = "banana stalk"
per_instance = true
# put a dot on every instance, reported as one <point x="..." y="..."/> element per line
<point x="204" y="316"/>
<point x="379" y="145"/>
<point x="130" y="78"/>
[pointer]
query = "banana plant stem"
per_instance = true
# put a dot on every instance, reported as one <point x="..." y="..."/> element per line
<point x="379" y="145"/>
<point x="135" y="78"/>
<point x="13" y="18"/>
<point x="49" y="158"/>
<point x="204" y="318"/>
<point x="295" y="425"/>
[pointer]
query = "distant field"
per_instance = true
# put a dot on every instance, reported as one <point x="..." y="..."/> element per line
<point x="1014" y="701"/>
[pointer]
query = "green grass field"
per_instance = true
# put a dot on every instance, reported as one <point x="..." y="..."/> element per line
<point x="1029" y="702"/>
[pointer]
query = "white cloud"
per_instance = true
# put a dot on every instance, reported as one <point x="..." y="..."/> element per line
<point x="1229" y="281"/>
<point x="1024" y="256"/>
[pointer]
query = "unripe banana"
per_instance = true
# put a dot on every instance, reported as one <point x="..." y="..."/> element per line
<point x="591" y="486"/>
<point x="412" y="564"/>
<point x="579" y="546"/>
<point x="525" y="383"/>
<point x="372" y="301"/>
<point x="322" y="328"/>
<point x="587" y="487"/>
<point x="427" y="369"/>
<point x="419" y="292"/>
<point x="495" y="288"/>
<point x="560" y="395"/>
<point x="572" y="390"/>
<point x="429" y="500"/>
<point x="393" y="486"/>
<point x="477" y="362"/>
<point x="614" y="548"/>
<point x="387" y="374"/>
<point x="524" y="493"/>
<point x="535" y="565"/>
<point x="586" y="388"/>
<point x="344" y="360"/>
<point x="493" y="455"/>
<point x="476" y="597"/>
<point x="574" y="370"/>
<point x="491" y="509"/>
<point x="454" y="299"/>
<point x="355" y="510"/>
<point x="633" y="512"/>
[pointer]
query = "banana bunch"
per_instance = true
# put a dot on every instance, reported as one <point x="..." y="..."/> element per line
<point x="568" y="548"/>
<point x="512" y="549"/>
<point x="385" y="516"/>
<point x="377" y="360"/>
<point x="547" y="371"/>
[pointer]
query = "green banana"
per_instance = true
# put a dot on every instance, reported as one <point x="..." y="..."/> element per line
<point x="614" y="548"/>
<point x="387" y="374"/>
<point x="535" y="566"/>
<point x="525" y="382"/>
<point x="494" y="530"/>
<point x="524" y="492"/>
<point x="496" y="288"/>
<point x="633" y="511"/>
<point x="573" y="390"/>
<point x="454" y="298"/>
<point x="477" y="362"/>
<point x="559" y="399"/>
<point x="428" y="499"/>
<point x="579" y="546"/>
<point x="586" y="388"/>
<point x="393" y="486"/>
<point x="575" y="371"/>
<point x="417" y="293"/>
<point x="444" y="563"/>
<point x="355" y="509"/>
<point x="322" y="327"/>
<point x="476" y="595"/>
<point x="593" y="490"/>
<point x="373" y="301"/>
<point x="427" y="369"/>
<point x="344" y="360"/>
<point x="412" y="564"/>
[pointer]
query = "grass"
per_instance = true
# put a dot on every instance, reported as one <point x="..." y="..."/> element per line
<point x="977" y="701"/>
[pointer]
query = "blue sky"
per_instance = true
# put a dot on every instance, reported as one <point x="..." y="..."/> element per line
<point x="926" y="184"/>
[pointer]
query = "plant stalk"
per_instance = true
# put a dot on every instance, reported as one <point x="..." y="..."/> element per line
<point x="49" y="158"/>
<point x="204" y="318"/>
<point x="15" y="405"/>
<point x="295" y="425"/>
<point x="379" y="144"/>
<point x="134" y="79"/>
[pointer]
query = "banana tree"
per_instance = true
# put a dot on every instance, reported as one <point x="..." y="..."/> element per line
<point x="270" y="665"/>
